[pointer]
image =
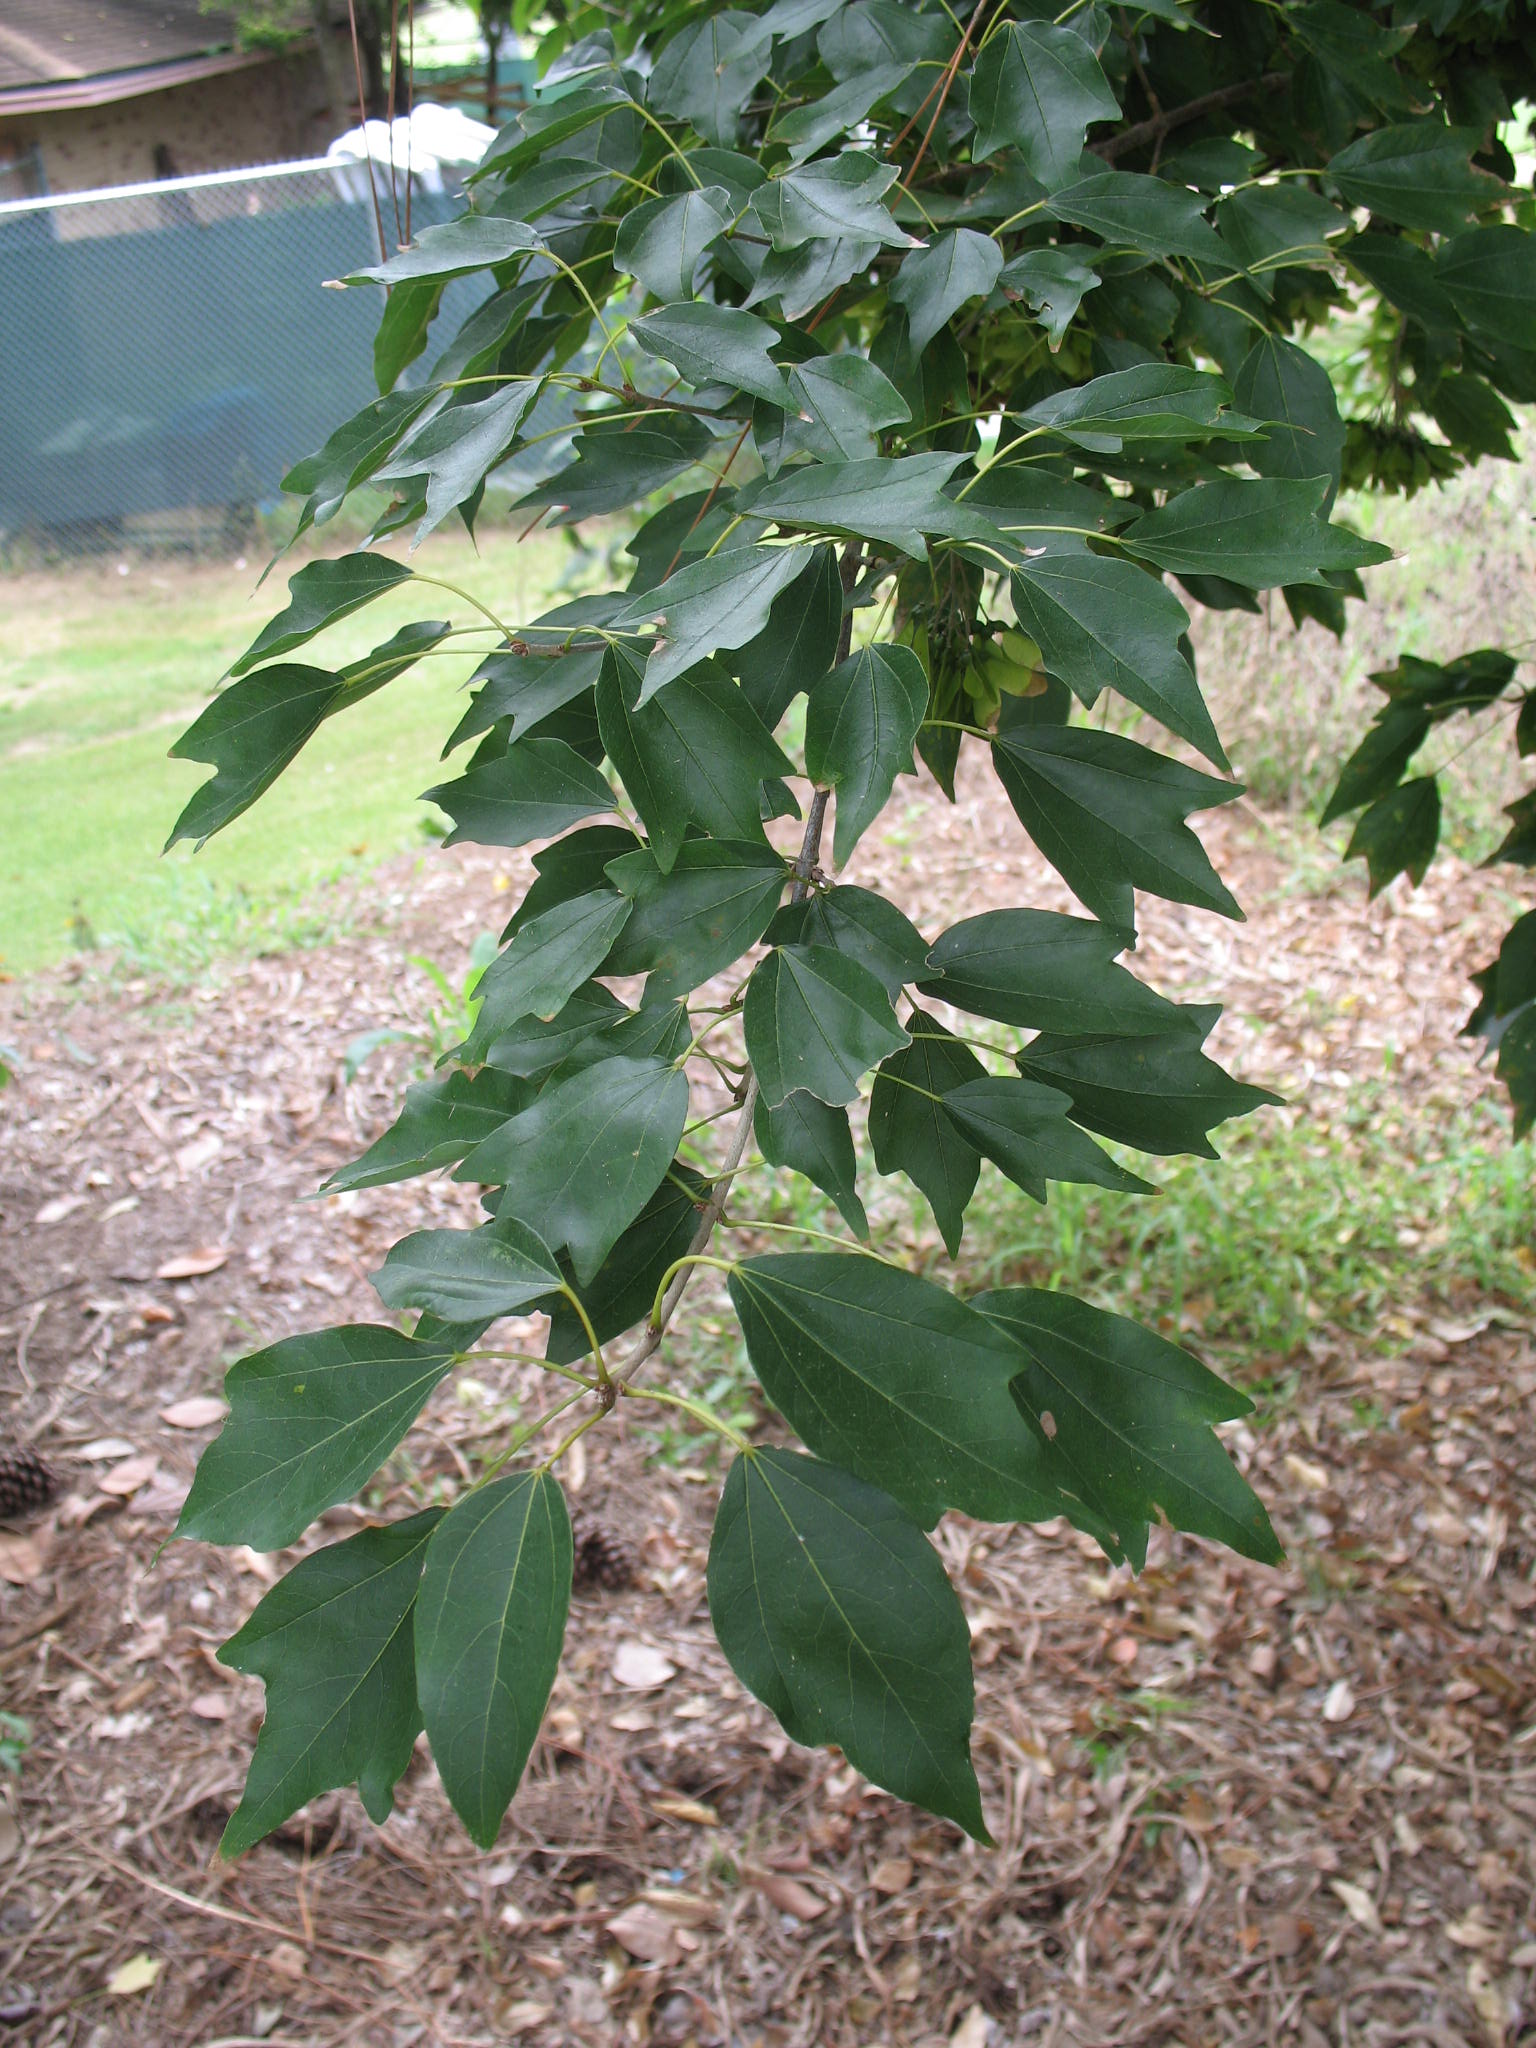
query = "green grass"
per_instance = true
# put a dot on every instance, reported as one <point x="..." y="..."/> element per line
<point x="98" y="675"/>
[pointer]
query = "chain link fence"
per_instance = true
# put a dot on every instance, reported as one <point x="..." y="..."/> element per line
<point x="170" y="350"/>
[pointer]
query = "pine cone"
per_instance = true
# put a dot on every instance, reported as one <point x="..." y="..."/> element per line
<point x="602" y="1559"/>
<point x="25" y="1483"/>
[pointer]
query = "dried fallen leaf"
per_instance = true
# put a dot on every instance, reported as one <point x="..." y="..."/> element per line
<point x="683" y="1909"/>
<point x="1287" y="1935"/>
<point x="211" y="1706"/>
<point x="21" y="1560"/>
<point x="522" y="2016"/>
<point x="645" y="1934"/>
<point x="127" y="1478"/>
<point x="1123" y="1650"/>
<point x="288" y="1960"/>
<point x="60" y="1207"/>
<point x="137" y="1974"/>
<point x="1358" y="1904"/>
<point x="1471" y="1932"/>
<point x="101" y="1448"/>
<point x="892" y="1876"/>
<point x="194" y="1265"/>
<point x="1489" y="2002"/>
<point x="974" y="2031"/>
<point x="692" y="1810"/>
<point x="1340" y="1703"/>
<point x="198" y="1411"/>
<point x="790" y="1896"/>
<point x="641" y="1668"/>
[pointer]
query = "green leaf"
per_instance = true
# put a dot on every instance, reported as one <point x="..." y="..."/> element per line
<point x="623" y="1290"/>
<point x="898" y="1382"/>
<point x="1038" y="87"/>
<point x="1022" y="1127"/>
<point x="935" y="282"/>
<point x="534" y="1049"/>
<point x="351" y="455"/>
<point x="1160" y="1094"/>
<point x="831" y="115"/>
<point x="707" y="607"/>
<point x="468" y="1276"/>
<point x="475" y="241"/>
<point x="693" y="921"/>
<point x="908" y="1130"/>
<point x="1262" y="533"/>
<point x="1108" y="814"/>
<point x="548" y="123"/>
<point x="1517" y="1067"/>
<point x="536" y="789"/>
<point x="836" y="198"/>
<point x="1278" y="227"/>
<point x="706" y="72"/>
<point x="710" y="344"/>
<point x="1039" y="968"/>
<point x="1416" y="173"/>
<point x="812" y="1138"/>
<point x="1128" y="210"/>
<point x="695" y="753"/>
<point x="861" y="924"/>
<point x="581" y="1162"/>
<point x="525" y="688"/>
<point x="442" y="1119"/>
<point x="1153" y="402"/>
<point x="320" y="594"/>
<point x="661" y="241"/>
<point x="334" y="1643"/>
<point x="1053" y="283"/>
<point x="859" y="727"/>
<point x="408" y="312"/>
<point x="1399" y="833"/>
<point x="1489" y="275"/>
<point x="801" y="278"/>
<point x="456" y="449"/>
<point x="310" y="1418"/>
<point x="799" y="643"/>
<point x="841" y="404"/>
<point x="490" y="1624"/>
<point x="897" y="500"/>
<point x="1378" y="762"/>
<point x="570" y="867"/>
<point x="1290" y="390"/>
<point x="548" y="960"/>
<point x="1103" y="624"/>
<point x="617" y="463"/>
<point x="834" y="1610"/>
<point x="1406" y="277"/>
<point x="1130" y="1414"/>
<point x="816" y="1019"/>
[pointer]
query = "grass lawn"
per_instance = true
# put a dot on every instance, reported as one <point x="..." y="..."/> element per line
<point x="99" y="672"/>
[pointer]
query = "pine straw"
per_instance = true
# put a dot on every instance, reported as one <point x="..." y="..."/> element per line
<point x="1232" y="1806"/>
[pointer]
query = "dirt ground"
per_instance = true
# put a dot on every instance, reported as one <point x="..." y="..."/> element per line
<point x="1233" y="1805"/>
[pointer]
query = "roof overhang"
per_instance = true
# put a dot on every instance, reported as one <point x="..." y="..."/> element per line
<point x="56" y="95"/>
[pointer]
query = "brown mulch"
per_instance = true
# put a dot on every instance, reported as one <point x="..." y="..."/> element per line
<point x="1232" y="1805"/>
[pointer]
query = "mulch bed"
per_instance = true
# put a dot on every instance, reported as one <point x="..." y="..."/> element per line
<point x="1232" y="1805"/>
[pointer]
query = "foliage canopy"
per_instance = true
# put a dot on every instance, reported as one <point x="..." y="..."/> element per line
<point x="935" y="361"/>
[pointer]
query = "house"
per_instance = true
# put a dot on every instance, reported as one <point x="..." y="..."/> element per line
<point x="110" y="92"/>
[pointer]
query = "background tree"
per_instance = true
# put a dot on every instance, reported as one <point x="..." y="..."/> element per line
<point x="936" y="360"/>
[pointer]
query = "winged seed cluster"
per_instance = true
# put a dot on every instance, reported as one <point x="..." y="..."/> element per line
<point x="933" y="360"/>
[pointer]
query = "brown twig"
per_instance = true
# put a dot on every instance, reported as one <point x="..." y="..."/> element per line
<point x="1159" y="125"/>
<point x="362" y="115"/>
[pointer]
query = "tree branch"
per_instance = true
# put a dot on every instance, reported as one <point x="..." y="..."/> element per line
<point x="1176" y="117"/>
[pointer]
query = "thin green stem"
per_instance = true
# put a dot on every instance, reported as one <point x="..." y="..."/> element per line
<point x="457" y="590"/>
<point x="685" y="1264"/>
<point x="690" y="1407"/>
<point x="565" y="1444"/>
<point x="604" y="1384"/>
<point x="525" y="1435"/>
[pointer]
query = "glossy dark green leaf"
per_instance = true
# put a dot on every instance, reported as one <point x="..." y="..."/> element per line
<point x="898" y="499"/>
<point x="1022" y="1127"/>
<point x="834" y="1610"/>
<point x="1263" y="533"/>
<point x="1039" y="968"/>
<point x="536" y="789"/>
<point x="441" y="1120"/>
<point x="812" y="1138"/>
<point x="351" y="455"/>
<point x="695" y="753"/>
<point x="1284" y="386"/>
<point x="1103" y="624"/>
<point x="1108" y="814"/>
<point x="1161" y="1094"/>
<point x="690" y="923"/>
<point x="532" y="1049"/>
<point x="468" y="1275"/>
<point x="408" y="313"/>
<point x="1489" y="274"/>
<point x="571" y="867"/>
<point x="706" y="72"/>
<point x="490" y="1625"/>
<point x="623" y="1290"/>
<point x="933" y="283"/>
<point x="801" y="279"/>
<point x="861" y="924"/>
<point x="455" y="450"/>
<point x="620" y="463"/>
<point x="1130" y="1415"/>
<point x="818" y="1020"/>
<point x="549" y="123"/>
<point x="859" y="727"/>
<point x="832" y="114"/>
<point x="1154" y="402"/>
<point x="1128" y="210"/>
<point x="548" y="960"/>
<point x="527" y="689"/>
<point x="310" y="1418"/>
<point x="836" y="197"/>
<point x="661" y="240"/>
<point x="475" y="241"/>
<point x="581" y="1161"/>
<point x="318" y="595"/>
<point x="710" y="344"/>
<point x="908" y="1130"/>
<point x="1399" y="833"/>
<point x="335" y="1644"/>
<point x="1417" y="173"/>
<point x="1278" y="227"/>
<point x="798" y="645"/>
<point x="1519" y="842"/>
<point x="709" y="607"/>
<point x="1039" y="88"/>
<point x="839" y="405"/>
<point x="1377" y="764"/>
<point x="1053" y="284"/>
<point x="898" y="1382"/>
